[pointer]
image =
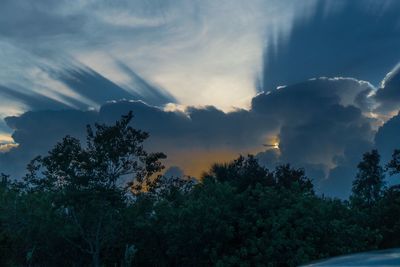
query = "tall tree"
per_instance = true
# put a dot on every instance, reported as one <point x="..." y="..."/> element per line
<point x="369" y="183"/>
<point x="87" y="182"/>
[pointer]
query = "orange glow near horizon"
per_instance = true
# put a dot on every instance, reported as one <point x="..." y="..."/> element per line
<point x="196" y="162"/>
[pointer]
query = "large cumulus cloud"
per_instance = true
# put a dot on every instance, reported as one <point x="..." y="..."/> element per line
<point x="319" y="124"/>
<point x="195" y="130"/>
<point x="388" y="137"/>
<point x="323" y="126"/>
<point x="388" y="95"/>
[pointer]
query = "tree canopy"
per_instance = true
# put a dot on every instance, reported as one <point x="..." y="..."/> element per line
<point x="104" y="203"/>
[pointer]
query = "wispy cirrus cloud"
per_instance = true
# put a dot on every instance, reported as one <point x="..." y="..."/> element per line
<point x="196" y="50"/>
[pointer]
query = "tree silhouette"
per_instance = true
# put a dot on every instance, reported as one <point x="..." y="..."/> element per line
<point x="394" y="165"/>
<point x="103" y="204"/>
<point x="368" y="185"/>
<point x="86" y="183"/>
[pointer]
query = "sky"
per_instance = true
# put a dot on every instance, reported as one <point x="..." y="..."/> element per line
<point x="314" y="83"/>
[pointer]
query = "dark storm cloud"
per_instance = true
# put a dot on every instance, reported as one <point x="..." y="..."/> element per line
<point x="356" y="38"/>
<point x="388" y="96"/>
<point x="300" y="101"/>
<point x="323" y="129"/>
<point x="318" y="123"/>
<point x="208" y="127"/>
<point x="324" y="136"/>
<point x="37" y="131"/>
<point x="339" y="180"/>
<point x="387" y="138"/>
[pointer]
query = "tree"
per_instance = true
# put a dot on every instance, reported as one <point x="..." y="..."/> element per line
<point x="241" y="173"/>
<point x="228" y="220"/>
<point x="394" y="165"/>
<point x="290" y="178"/>
<point x="369" y="183"/>
<point x="75" y="208"/>
<point x="389" y="207"/>
<point x="86" y="183"/>
<point x="388" y="213"/>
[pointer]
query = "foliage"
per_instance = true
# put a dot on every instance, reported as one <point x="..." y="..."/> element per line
<point x="82" y="188"/>
<point x="368" y="185"/>
<point x="103" y="204"/>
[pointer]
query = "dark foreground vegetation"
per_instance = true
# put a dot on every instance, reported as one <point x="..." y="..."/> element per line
<point x="76" y="207"/>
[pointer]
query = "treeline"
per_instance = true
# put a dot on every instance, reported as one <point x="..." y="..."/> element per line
<point x="103" y="204"/>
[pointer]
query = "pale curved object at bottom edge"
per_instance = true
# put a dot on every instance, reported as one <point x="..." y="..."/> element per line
<point x="382" y="258"/>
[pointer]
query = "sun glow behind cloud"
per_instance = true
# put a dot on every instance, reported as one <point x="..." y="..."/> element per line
<point x="6" y="143"/>
<point x="195" y="162"/>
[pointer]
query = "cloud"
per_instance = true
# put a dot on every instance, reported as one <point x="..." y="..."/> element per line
<point x="387" y="138"/>
<point x="174" y="172"/>
<point x="36" y="132"/>
<point x="324" y="136"/>
<point x="6" y="143"/>
<point x="62" y="59"/>
<point x="323" y="129"/>
<point x="29" y="99"/>
<point x="200" y="51"/>
<point x="188" y="52"/>
<point x="301" y="100"/>
<point x="388" y="95"/>
<point x="91" y="85"/>
<point x="74" y="86"/>
<point x="77" y="86"/>
<point x="197" y="131"/>
<point x="340" y="178"/>
<point x="318" y="124"/>
<point x="354" y="38"/>
<point x="4" y="148"/>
